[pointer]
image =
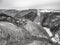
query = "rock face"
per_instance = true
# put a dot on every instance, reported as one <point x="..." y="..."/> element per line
<point x="22" y="28"/>
<point x="51" y="20"/>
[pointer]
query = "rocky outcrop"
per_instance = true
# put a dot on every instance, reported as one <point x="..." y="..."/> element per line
<point x="22" y="27"/>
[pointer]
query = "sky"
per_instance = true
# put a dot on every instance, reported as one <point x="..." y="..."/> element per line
<point x="28" y="4"/>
